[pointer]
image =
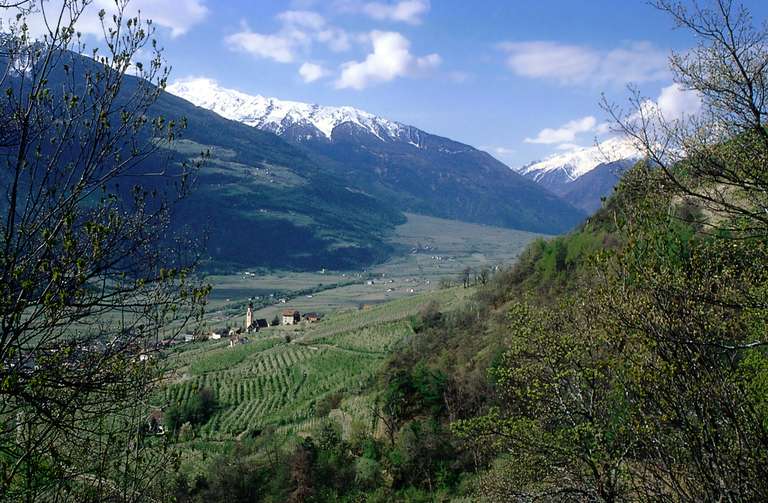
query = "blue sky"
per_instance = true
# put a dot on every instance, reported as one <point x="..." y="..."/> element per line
<point x="520" y="78"/>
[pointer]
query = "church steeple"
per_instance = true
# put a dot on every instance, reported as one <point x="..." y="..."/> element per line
<point x="249" y="316"/>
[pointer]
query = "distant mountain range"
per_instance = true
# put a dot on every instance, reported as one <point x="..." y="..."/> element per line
<point x="408" y="168"/>
<point x="315" y="187"/>
<point x="294" y="120"/>
<point x="262" y="202"/>
<point x="583" y="176"/>
<point x="257" y="200"/>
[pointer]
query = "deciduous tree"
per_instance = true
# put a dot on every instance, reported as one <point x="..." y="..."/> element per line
<point x="91" y="277"/>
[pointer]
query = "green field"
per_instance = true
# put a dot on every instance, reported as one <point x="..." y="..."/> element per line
<point x="271" y="382"/>
<point x="430" y="249"/>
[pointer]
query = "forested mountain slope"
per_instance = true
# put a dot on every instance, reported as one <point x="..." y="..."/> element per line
<point x="411" y="169"/>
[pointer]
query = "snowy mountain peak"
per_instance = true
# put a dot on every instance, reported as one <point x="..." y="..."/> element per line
<point x="277" y="116"/>
<point x="575" y="163"/>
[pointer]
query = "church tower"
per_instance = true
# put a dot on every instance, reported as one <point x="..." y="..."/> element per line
<point x="249" y="316"/>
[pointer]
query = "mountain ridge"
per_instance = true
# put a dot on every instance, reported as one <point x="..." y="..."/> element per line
<point x="413" y="170"/>
<point x="275" y="115"/>
<point x="577" y="162"/>
<point x="585" y="175"/>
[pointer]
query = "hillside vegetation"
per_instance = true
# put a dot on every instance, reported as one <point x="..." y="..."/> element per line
<point x="284" y="385"/>
<point x="625" y="361"/>
<point x="590" y="371"/>
<point x="622" y="362"/>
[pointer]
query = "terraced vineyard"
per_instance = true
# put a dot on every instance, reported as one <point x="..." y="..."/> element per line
<point x="275" y="382"/>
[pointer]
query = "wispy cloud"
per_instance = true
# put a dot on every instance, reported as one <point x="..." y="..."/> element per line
<point x="569" y="146"/>
<point x="499" y="152"/>
<point x="406" y="11"/>
<point x="299" y="29"/>
<point x="302" y="18"/>
<point x="582" y="65"/>
<point x="459" y="77"/>
<point x="402" y="11"/>
<point x="278" y="47"/>
<point x="568" y="132"/>
<point x="391" y="58"/>
<point x="177" y="16"/>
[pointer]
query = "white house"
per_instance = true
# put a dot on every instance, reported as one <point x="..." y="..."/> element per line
<point x="291" y="317"/>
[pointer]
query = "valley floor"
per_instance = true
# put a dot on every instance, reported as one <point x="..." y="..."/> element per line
<point x="431" y="249"/>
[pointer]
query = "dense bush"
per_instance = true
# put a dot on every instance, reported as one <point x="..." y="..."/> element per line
<point x="196" y="410"/>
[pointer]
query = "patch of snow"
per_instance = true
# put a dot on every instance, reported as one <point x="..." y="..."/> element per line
<point x="582" y="160"/>
<point x="276" y="115"/>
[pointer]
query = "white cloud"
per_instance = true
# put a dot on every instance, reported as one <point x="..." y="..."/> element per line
<point x="406" y="11"/>
<point x="303" y="18"/>
<point x="459" y="77"/>
<point x="675" y="103"/>
<point x="178" y="16"/>
<point x="278" y="47"/>
<point x="574" y="64"/>
<point x="603" y="128"/>
<point x="391" y="58"/>
<point x="311" y="72"/>
<point x="336" y="39"/>
<point x="566" y="133"/>
<point x="569" y="146"/>
<point x="299" y="30"/>
<point x="499" y="151"/>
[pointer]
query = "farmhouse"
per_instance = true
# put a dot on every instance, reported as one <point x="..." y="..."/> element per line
<point x="291" y="317"/>
<point x="312" y="317"/>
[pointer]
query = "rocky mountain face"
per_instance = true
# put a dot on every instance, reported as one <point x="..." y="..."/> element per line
<point x="588" y="191"/>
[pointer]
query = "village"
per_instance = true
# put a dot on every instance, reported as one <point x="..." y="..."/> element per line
<point x="251" y="326"/>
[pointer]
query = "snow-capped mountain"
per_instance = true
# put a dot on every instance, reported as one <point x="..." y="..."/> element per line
<point x="410" y="169"/>
<point x="585" y="175"/>
<point x="299" y="121"/>
<point x="570" y="165"/>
